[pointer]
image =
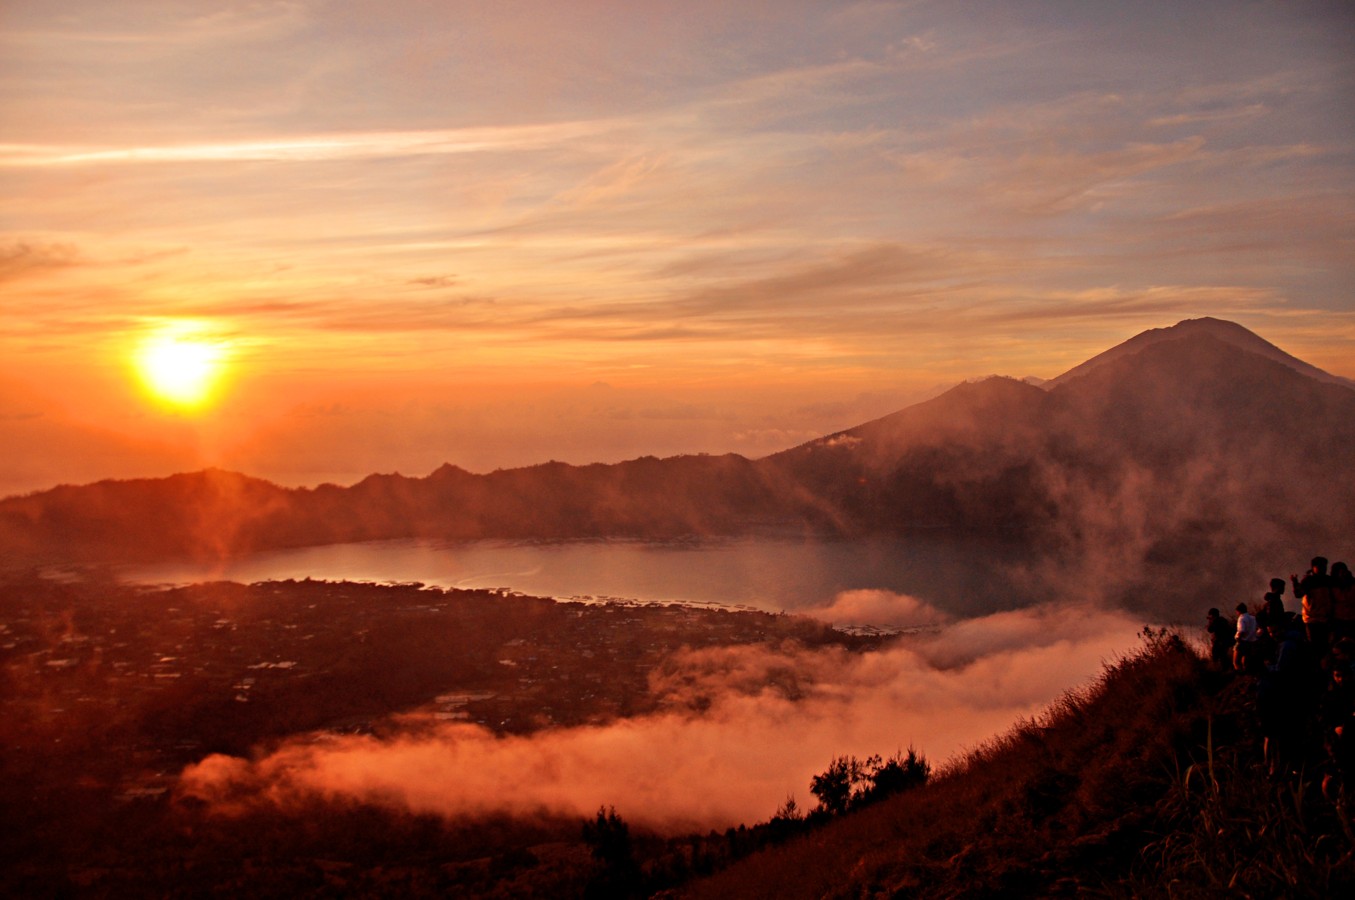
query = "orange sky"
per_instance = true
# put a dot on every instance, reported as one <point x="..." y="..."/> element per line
<point x="495" y="234"/>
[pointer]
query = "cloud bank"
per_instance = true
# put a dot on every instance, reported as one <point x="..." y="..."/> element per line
<point x="879" y="608"/>
<point x="741" y="728"/>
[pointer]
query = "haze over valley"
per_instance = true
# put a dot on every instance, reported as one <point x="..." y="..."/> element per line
<point x="671" y="449"/>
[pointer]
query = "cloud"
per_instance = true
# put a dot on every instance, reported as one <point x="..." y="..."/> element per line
<point x="880" y="608"/>
<point x="740" y="729"/>
<point x="140" y="25"/>
<point x="307" y="148"/>
<point x="1150" y="303"/>
<point x="19" y="258"/>
<point x="1195" y="117"/>
<point x="849" y="276"/>
<point x="1014" y="632"/>
<point x="434" y="281"/>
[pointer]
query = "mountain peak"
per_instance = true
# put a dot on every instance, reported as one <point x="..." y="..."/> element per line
<point x="1218" y="329"/>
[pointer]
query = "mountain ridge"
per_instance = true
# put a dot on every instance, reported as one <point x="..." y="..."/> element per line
<point x="1171" y="450"/>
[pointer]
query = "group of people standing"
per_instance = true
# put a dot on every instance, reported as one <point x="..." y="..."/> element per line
<point x="1326" y="615"/>
<point x="1302" y="665"/>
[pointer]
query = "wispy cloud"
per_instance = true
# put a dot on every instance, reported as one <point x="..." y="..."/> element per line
<point x="19" y="258"/>
<point x="159" y="23"/>
<point x="317" y="148"/>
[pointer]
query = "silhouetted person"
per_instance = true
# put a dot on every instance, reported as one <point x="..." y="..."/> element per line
<point x="1338" y="727"/>
<point x="1272" y="605"/>
<point x="1315" y="595"/>
<point x="1245" y="640"/>
<point x="1220" y="631"/>
<point x="1343" y="600"/>
<point x="1281" y="699"/>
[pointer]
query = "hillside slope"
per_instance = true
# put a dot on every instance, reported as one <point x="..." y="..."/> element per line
<point x="1148" y="783"/>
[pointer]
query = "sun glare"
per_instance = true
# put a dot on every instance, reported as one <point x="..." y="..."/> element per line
<point x="180" y="367"/>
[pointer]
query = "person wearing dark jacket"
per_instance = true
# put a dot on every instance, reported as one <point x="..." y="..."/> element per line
<point x="1272" y="605"/>
<point x="1283" y="700"/>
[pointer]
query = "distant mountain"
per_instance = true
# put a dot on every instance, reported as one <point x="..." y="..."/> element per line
<point x="214" y="514"/>
<point x="969" y="458"/>
<point x="1163" y="453"/>
<point x="1228" y="332"/>
<point x="1200" y="441"/>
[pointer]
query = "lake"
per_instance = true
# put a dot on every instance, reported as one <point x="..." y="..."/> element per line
<point x="767" y="573"/>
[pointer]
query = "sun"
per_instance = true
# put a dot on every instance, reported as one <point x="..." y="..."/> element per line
<point x="180" y="366"/>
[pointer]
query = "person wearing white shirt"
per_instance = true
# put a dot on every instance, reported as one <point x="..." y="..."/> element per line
<point x="1247" y="636"/>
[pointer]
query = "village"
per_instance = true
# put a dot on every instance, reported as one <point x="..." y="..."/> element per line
<point x="111" y="689"/>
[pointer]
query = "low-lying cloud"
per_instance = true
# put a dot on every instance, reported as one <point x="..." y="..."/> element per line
<point x="740" y="729"/>
<point x="879" y="608"/>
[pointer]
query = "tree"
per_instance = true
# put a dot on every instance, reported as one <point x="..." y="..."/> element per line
<point x="849" y="783"/>
<point x="789" y="820"/>
<point x="608" y="836"/>
<point x="789" y="811"/>
<point x="898" y="773"/>
<point x="833" y="786"/>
